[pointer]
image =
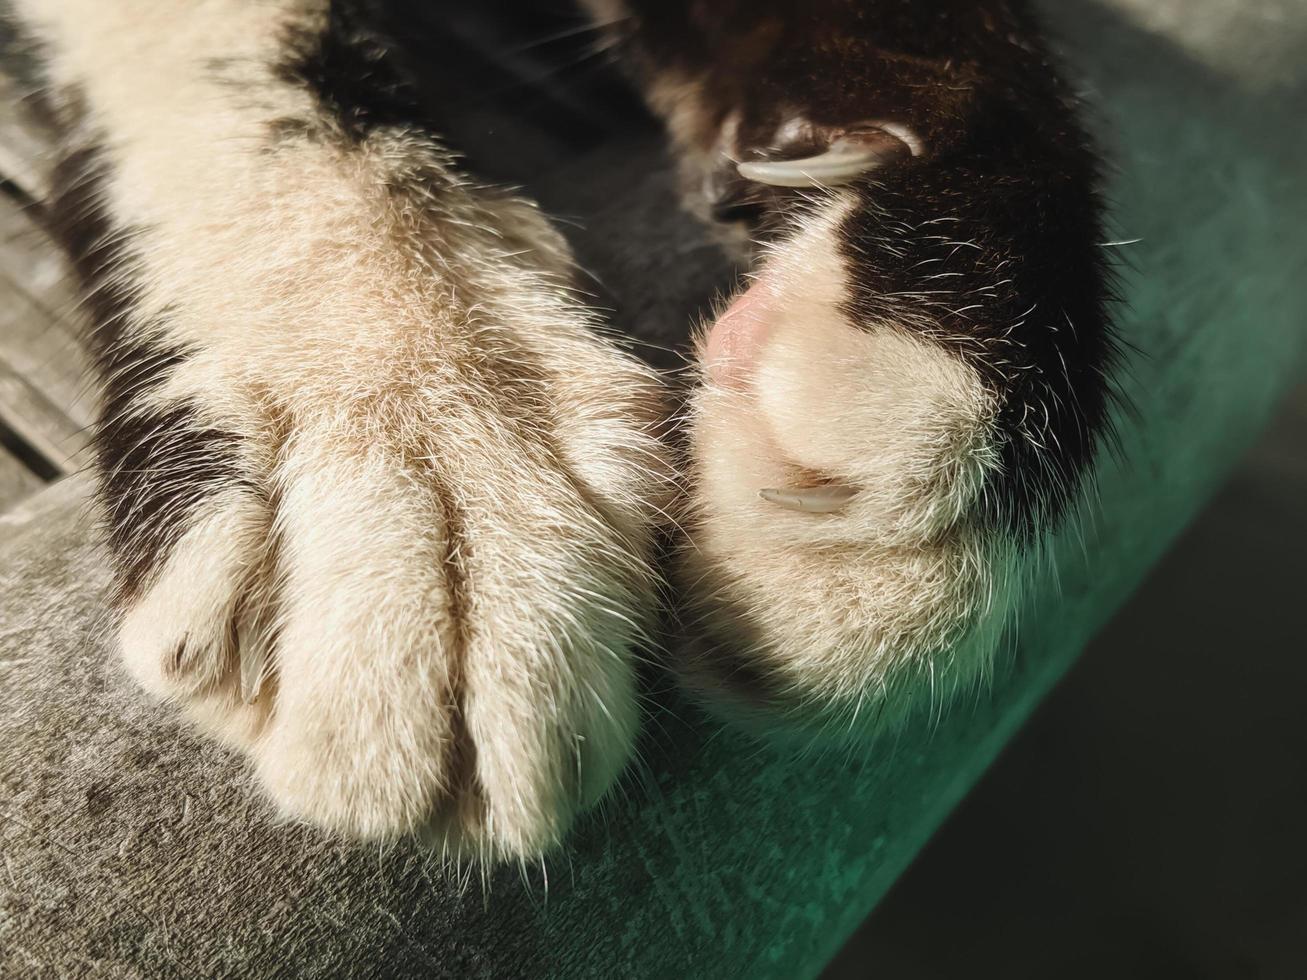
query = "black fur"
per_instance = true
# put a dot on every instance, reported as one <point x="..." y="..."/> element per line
<point x="155" y="467"/>
<point x="986" y="243"/>
<point x="1019" y="294"/>
<point x="356" y="72"/>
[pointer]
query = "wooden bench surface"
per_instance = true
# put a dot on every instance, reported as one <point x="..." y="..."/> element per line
<point x="46" y="402"/>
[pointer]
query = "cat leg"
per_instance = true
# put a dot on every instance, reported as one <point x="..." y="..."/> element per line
<point x="906" y="397"/>
<point x="379" y="499"/>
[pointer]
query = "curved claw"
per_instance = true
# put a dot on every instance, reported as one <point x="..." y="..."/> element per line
<point x="844" y="160"/>
<point x="810" y="500"/>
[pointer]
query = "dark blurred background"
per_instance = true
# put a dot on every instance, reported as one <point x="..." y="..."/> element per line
<point x="1149" y="820"/>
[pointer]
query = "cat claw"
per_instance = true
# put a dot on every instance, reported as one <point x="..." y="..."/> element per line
<point x="810" y="500"/>
<point x="846" y="159"/>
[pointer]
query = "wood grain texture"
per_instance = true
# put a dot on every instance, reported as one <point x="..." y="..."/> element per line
<point x="41" y="424"/>
<point x="45" y="401"/>
<point x="17" y="481"/>
<point x="25" y="150"/>
<point x="40" y="316"/>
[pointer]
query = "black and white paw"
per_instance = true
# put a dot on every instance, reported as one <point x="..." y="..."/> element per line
<point x="836" y="533"/>
<point x="903" y="400"/>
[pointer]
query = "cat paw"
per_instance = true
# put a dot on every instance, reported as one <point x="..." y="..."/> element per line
<point x="834" y="527"/>
<point x="913" y="390"/>
<point x="414" y="607"/>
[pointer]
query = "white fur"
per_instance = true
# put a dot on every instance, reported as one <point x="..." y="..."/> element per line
<point x="177" y="639"/>
<point x="844" y="611"/>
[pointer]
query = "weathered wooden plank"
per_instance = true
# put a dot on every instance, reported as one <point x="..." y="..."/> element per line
<point x="32" y="262"/>
<point x="45" y="407"/>
<point x="16" y="480"/>
<point x="40" y="424"/>
<point x="25" y="147"/>
<point x="39" y="316"/>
